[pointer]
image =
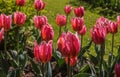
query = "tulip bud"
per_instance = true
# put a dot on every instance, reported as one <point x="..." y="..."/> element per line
<point x="61" y="20"/>
<point x="19" y="18"/>
<point x="20" y="2"/>
<point x="79" y="12"/>
<point x="117" y="70"/>
<point x="77" y="23"/>
<point x="118" y="20"/>
<point x="67" y="9"/>
<point x="98" y="34"/>
<point x="43" y="52"/>
<point x="68" y="44"/>
<point x="47" y="32"/>
<point x="39" y="5"/>
<point x="113" y="27"/>
<point x="82" y="31"/>
<point x="73" y="61"/>
<point x="1" y="34"/>
<point x="7" y="21"/>
<point x="39" y="21"/>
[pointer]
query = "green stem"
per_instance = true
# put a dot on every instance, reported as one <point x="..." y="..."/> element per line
<point x="81" y="41"/>
<point x="112" y="44"/>
<point x="17" y="38"/>
<point x="59" y="31"/>
<point x="5" y="42"/>
<point x="66" y="29"/>
<point x="102" y="48"/>
<point x="69" y="68"/>
<point x="43" y="70"/>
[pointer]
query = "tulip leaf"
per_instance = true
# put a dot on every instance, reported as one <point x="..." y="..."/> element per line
<point x="35" y="68"/>
<point x="11" y="74"/>
<point x="84" y="68"/>
<point x="84" y="49"/>
<point x="49" y="72"/>
<point x="82" y="75"/>
<point x="93" y="59"/>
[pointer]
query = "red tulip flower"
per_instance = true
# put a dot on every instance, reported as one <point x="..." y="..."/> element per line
<point x="113" y="27"/>
<point x="98" y="34"/>
<point x="117" y="70"/>
<point x="68" y="44"/>
<point x="7" y="21"/>
<point x="43" y="52"/>
<point x="19" y="18"/>
<point x="118" y="20"/>
<point x="82" y="31"/>
<point x="79" y="12"/>
<point x="1" y="34"/>
<point x="20" y="2"/>
<point x="47" y="32"/>
<point x="61" y="20"/>
<point x="103" y="22"/>
<point x="39" y="5"/>
<point x="77" y="23"/>
<point x="67" y="9"/>
<point x="1" y="21"/>
<point x="73" y="61"/>
<point x="39" y="21"/>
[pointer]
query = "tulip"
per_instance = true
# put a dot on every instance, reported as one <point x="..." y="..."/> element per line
<point x="20" y="2"/>
<point x="82" y="31"/>
<point x="1" y="34"/>
<point x="73" y="61"/>
<point x="98" y="34"/>
<point x="77" y="23"/>
<point x="19" y="18"/>
<point x="43" y="52"/>
<point x="79" y="12"/>
<point x="39" y="5"/>
<point x="68" y="44"/>
<point x="113" y="27"/>
<point x="117" y="70"/>
<point x="7" y="21"/>
<point x="39" y="21"/>
<point x="61" y="20"/>
<point x="47" y="32"/>
<point x="67" y="9"/>
<point x="1" y="21"/>
<point x="118" y="20"/>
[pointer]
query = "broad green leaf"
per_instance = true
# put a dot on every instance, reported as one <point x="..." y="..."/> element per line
<point x="82" y="75"/>
<point x="49" y="72"/>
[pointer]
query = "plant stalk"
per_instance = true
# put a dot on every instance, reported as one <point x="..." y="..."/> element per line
<point x="81" y="41"/>
<point x="5" y="42"/>
<point x="69" y="68"/>
<point x="43" y="70"/>
<point x="102" y="49"/>
<point x="66" y="29"/>
<point x="17" y="38"/>
<point x="59" y="31"/>
<point x="112" y="44"/>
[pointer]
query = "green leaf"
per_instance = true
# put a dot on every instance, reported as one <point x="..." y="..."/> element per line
<point x="93" y="59"/>
<point x="11" y="74"/>
<point x="49" y="72"/>
<point x="82" y="75"/>
<point x="84" y="68"/>
<point x="35" y="68"/>
<point x="84" y="49"/>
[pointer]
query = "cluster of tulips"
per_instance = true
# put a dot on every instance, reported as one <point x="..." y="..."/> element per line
<point x="69" y="44"/>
